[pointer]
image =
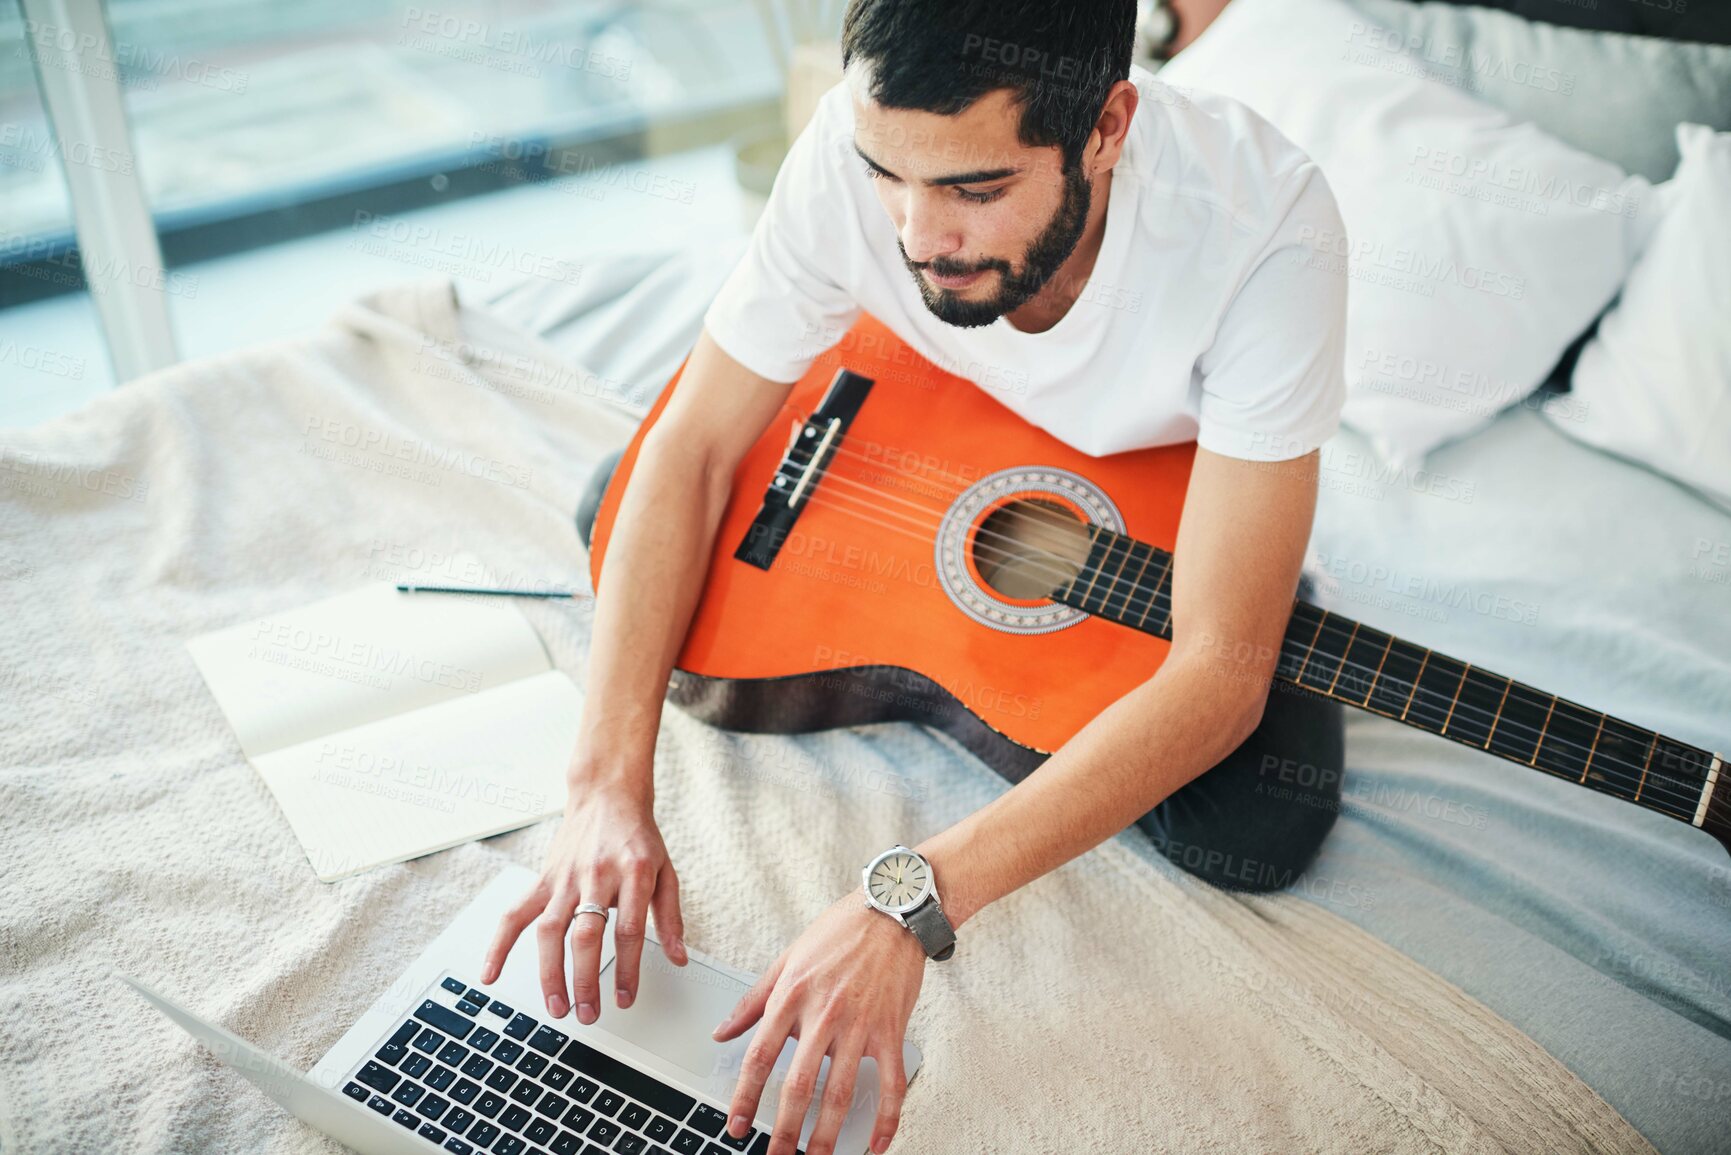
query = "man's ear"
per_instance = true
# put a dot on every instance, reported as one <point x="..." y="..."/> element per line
<point x="1112" y="128"/>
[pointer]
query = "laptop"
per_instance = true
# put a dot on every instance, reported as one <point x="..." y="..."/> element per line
<point x="440" y="1063"/>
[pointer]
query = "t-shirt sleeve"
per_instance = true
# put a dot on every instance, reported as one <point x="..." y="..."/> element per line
<point x="784" y="303"/>
<point x="1273" y="381"/>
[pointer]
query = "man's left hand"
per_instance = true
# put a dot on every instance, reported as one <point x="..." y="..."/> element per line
<point x="844" y="988"/>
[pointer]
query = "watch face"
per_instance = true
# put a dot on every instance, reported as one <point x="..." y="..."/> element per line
<point x="898" y="881"/>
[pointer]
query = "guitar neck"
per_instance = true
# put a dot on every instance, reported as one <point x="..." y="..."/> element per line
<point x="1129" y="582"/>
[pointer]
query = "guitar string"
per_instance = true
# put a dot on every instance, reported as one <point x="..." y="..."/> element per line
<point x="1113" y="585"/>
<point x="1159" y="594"/>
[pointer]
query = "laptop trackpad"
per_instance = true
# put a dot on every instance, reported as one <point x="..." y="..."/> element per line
<point x="674" y="1011"/>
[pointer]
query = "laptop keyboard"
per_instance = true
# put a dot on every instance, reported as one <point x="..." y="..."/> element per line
<point x="485" y="1077"/>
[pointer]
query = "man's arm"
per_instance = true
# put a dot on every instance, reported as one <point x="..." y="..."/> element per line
<point x="608" y="850"/>
<point x="1240" y="548"/>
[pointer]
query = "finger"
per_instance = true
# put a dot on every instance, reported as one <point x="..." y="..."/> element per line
<point x="510" y="928"/>
<point x="754" y="1068"/>
<point x="796" y="1090"/>
<point x="838" y="1089"/>
<point x="669" y="922"/>
<point x="892" y="1087"/>
<point x="587" y="935"/>
<point x="751" y="1005"/>
<point x="550" y="934"/>
<point x="628" y="926"/>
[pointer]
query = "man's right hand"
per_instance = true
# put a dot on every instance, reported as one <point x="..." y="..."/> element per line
<point x="609" y="851"/>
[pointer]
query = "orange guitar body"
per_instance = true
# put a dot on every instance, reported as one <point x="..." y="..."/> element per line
<point x="851" y="622"/>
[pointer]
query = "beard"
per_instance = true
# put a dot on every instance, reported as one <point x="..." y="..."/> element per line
<point x="1017" y="287"/>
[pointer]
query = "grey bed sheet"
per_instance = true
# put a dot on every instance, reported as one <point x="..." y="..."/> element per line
<point x="1601" y="930"/>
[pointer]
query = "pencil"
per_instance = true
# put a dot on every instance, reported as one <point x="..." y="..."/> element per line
<point x="408" y="589"/>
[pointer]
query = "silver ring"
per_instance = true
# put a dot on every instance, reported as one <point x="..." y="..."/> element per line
<point x="590" y="908"/>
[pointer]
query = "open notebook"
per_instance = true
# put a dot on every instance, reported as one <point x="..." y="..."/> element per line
<point x="391" y="725"/>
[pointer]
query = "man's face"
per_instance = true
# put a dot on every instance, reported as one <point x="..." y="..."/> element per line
<point x="983" y="221"/>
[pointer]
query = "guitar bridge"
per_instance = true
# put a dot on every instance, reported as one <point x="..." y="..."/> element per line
<point x="809" y="452"/>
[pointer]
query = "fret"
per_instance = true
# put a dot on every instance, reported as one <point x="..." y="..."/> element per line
<point x="1364" y="657"/>
<point x="1394" y="685"/>
<point x="1137" y="598"/>
<point x="1567" y="741"/>
<point x="1480" y="695"/>
<point x="1646" y="765"/>
<point x="1341" y="665"/>
<point x="1301" y="633"/>
<point x="1100" y="585"/>
<point x="1593" y="749"/>
<point x="1619" y="759"/>
<point x="1521" y="720"/>
<point x="1160" y="582"/>
<point x="1322" y="665"/>
<point x="1439" y="683"/>
<point x="1113" y="587"/>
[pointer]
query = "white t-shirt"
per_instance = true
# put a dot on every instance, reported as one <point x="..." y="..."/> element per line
<point x="1213" y="313"/>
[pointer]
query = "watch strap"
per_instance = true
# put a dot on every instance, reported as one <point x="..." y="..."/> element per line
<point x="932" y="927"/>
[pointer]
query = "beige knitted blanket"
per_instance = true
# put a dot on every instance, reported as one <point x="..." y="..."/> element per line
<point x="1114" y="1005"/>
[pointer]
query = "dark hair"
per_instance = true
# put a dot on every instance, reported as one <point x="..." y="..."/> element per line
<point x="1058" y="57"/>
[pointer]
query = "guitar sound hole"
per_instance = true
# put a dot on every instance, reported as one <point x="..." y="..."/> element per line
<point x="1028" y="547"/>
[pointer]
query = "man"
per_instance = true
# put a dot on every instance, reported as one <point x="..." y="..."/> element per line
<point x="997" y="185"/>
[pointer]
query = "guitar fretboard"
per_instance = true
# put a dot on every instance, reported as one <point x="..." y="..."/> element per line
<point x="1129" y="582"/>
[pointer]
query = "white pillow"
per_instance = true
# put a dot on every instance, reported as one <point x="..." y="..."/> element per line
<point x="1654" y="383"/>
<point x="1478" y="247"/>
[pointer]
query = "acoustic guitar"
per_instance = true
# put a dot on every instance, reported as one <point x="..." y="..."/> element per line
<point x="908" y="548"/>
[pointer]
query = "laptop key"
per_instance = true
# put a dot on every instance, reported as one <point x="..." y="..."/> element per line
<point x="608" y="1101"/>
<point x="566" y="1144"/>
<point x="433" y="1106"/>
<point x="483" y="1134"/>
<point x="470" y="1008"/>
<point x="540" y="1130"/>
<point x="465" y="1091"/>
<point x="525" y="1092"/>
<point x="416" y="1065"/>
<point x="578" y="1118"/>
<point x="532" y="1064"/>
<point x="714" y="1149"/>
<point x="445" y="1019"/>
<point x="631" y="1143"/>
<point x="602" y="1131"/>
<point x="488" y="1105"/>
<point x="454" y="986"/>
<point x="740" y="1144"/>
<point x="441" y="1077"/>
<point x="428" y="1131"/>
<point x="378" y="1078"/>
<point x="520" y="1026"/>
<point x="355" y="1091"/>
<point x="634" y="1116"/>
<point x="380" y="1104"/>
<point x="761" y="1146"/>
<point x="688" y="1142"/>
<point x="477" y="1066"/>
<point x="513" y="1118"/>
<point x="509" y="1145"/>
<point x="407" y="1119"/>
<point x="429" y="1041"/>
<point x="558" y="1077"/>
<point x="500" y="1009"/>
<point x="483" y="1039"/>
<point x="458" y="1120"/>
<point x="551" y="1105"/>
<point x="582" y="1089"/>
<point x="708" y="1120"/>
<point x="548" y="1041"/>
<point x="398" y="1044"/>
<point x="453" y="1054"/>
<point x="508" y="1052"/>
<point x="408" y="1093"/>
<point x="501" y="1079"/>
<point x="458" y="1147"/>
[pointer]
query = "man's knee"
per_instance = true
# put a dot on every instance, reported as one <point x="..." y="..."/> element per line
<point x="1258" y="820"/>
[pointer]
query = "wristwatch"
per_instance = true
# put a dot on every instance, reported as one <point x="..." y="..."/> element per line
<point x="900" y="883"/>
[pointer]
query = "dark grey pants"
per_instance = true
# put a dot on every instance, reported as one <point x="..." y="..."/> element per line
<point x="1252" y="823"/>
